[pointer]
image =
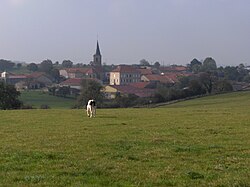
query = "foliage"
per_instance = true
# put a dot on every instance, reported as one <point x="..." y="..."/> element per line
<point x="223" y="86"/>
<point x="55" y="74"/>
<point x="195" y="66"/>
<point x="32" y="67"/>
<point x="46" y="66"/>
<point x="207" y="81"/>
<point x="9" y="97"/>
<point x="6" y="65"/>
<point x="90" y="89"/>
<point x="157" y="65"/>
<point x="144" y="62"/>
<point x="67" y="64"/>
<point x="126" y="100"/>
<point x="201" y="142"/>
<point x="209" y="65"/>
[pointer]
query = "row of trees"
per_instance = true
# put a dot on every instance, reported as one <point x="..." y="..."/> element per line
<point x="232" y="73"/>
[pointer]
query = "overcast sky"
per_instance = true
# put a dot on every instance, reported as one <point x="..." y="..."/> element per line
<point x="168" y="31"/>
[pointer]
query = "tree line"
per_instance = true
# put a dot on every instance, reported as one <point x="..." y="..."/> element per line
<point x="206" y="79"/>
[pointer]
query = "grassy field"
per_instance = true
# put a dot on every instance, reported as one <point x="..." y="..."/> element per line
<point x="38" y="98"/>
<point x="201" y="142"/>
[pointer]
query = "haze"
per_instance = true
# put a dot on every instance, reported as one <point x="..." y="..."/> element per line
<point x="168" y="31"/>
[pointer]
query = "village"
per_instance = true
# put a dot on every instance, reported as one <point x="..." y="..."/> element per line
<point x="140" y="80"/>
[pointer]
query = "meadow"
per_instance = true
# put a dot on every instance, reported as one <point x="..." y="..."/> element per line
<point x="201" y="142"/>
<point x="38" y="98"/>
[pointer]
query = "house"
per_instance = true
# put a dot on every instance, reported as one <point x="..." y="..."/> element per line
<point x="124" y="74"/>
<point x="76" y="82"/>
<point x="72" y="83"/>
<point x="145" y="71"/>
<point x="173" y="68"/>
<point x="158" y="78"/>
<point x="111" y="91"/>
<point x="78" y="73"/>
<point x="38" y="80"/>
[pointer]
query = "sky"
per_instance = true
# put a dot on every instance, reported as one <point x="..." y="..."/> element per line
<point x="167" y="31"/>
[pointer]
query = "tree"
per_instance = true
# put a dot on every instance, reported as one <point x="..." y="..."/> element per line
<point x="196" y="88"/>
<point x="6" y="65"/>
<point x="231" y="73"/>
<point x="19" y="65"/>
<point x="144" y="62"/>
<point x="209" y="65"/>
<point x="67" y="64"/>
<point x="157" y="65"/>
<point x="223" y="86"/>
<point x="206" y="80"/>
<point x="32" y="67"/>
<point x="55" y="74"/>
<point x="90" y="89"/>
<point x="126" y="100"/>
<point x="195" y="65"/>
<point x="46" y="66"/>
<point x="9" y="97"/>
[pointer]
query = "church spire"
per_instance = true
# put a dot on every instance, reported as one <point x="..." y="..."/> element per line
<point x="97" y="56"/>
<point x="97" y="49"/>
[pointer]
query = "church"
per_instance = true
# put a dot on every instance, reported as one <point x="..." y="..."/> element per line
<point x="97" y="57"/>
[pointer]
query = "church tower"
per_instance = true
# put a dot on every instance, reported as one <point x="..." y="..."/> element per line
<point x="97" y="56"/>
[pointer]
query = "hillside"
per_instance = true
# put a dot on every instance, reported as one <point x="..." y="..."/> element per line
<point x="202" y="142"/>
<point x="38" y="98"/>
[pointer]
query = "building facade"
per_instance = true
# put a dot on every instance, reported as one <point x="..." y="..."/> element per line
<point x="124" y="74"/>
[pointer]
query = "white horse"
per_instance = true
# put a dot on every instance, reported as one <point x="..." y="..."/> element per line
<point x="91" y="108"/>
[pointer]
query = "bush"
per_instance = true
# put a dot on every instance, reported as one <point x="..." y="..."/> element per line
<point x="44" y="106"/>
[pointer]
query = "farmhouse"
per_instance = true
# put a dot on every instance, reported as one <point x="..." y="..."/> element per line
<point x="76" y="82"/>
<point x="71" y="73"/>
<point x="27" y="81"/>
<point x="124" y="74"/>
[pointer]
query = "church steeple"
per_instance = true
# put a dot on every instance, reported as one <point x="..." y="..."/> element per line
<point x="97" y="56"/>
<point x="97" y="49"/>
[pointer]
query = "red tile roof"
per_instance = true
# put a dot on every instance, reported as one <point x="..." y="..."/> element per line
<point x="36" y="75"/>
<point x="73" y="81"/>
<point x="125" y="69"/>
<point x="160" y="78"/>
<point x="145" y="71"/>
<point x="140" y="92"/>
<point x="76" y="81"/>
<point x="79" y="70"/>
<point x="173" y="68"/>
<point x="139" y="84"/>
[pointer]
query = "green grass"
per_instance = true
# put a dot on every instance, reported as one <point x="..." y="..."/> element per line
<point x="202" y="142"/>
<point x="38" y="98"/>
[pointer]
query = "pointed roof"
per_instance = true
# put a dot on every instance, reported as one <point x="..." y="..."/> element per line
<point x="97" y="49"/>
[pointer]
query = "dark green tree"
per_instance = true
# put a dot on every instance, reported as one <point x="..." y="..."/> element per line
<point x="144" y="62"/>
<point x="19" y="65"/>
<point x="9" y="97"/>
<point x="32" y="67"/>
<point x="231" y="73"/>
<point x="209" y="65"/>
<point x="46" y="66"/>
<point x="157" y="65"/>
<point x="55" y="74"/>
<point x="207" y="80"/>
<point x="67" y="64"/>
<point x="90" y="89"/>
<point x="195" y="66"/>
<point x="223" y="86"/>
<point x="6" y="65"/>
